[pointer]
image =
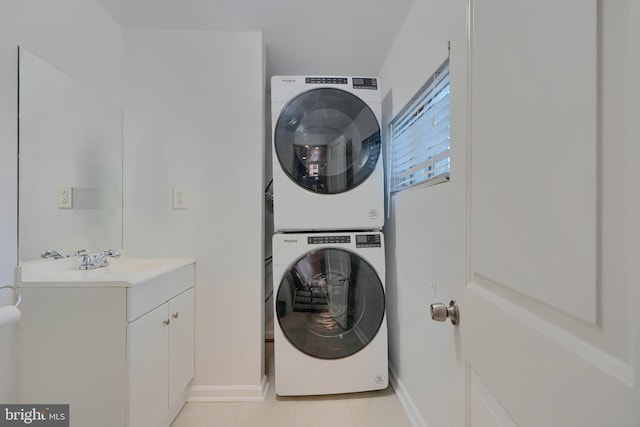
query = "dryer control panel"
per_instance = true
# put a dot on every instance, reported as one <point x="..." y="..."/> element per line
<point x="326" y="80"/>
<point x="358" y="82"/>
<point x="365" y="83"/>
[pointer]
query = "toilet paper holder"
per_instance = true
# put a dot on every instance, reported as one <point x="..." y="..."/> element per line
<point x="18" y="294"/>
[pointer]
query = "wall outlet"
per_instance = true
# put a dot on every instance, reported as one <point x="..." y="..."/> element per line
<point x="179" y="198"/>
<point x="65" y="197"/>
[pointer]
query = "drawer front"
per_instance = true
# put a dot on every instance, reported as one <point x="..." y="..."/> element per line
<point x="148" y="295"/>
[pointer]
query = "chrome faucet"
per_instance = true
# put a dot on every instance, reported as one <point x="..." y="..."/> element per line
<point x="98" y="260"/>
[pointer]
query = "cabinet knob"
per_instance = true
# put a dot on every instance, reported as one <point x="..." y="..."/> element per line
<point x="175" y="315"/>
<point x="166" y="322"/>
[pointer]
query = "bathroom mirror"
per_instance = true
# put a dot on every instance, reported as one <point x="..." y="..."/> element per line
<point x="69" y="163"/>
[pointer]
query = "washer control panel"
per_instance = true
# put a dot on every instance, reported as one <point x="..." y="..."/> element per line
<point x="315" y="240"/>
<point x="368" y="241"/>
<point x="362" y="240"/>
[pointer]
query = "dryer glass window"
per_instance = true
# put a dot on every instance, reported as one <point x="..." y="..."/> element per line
<point x="330" y="304"/>
<point x="327" y="140"/>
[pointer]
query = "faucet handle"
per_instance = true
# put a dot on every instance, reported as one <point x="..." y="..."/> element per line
<point x="80" y="252"/>
<point x="51" y="254"/>
<point x="113" y="253"/>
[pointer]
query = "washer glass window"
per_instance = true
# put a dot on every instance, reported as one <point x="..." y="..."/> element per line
<point x="330" y="304"/>
<point x="327" y="140"/>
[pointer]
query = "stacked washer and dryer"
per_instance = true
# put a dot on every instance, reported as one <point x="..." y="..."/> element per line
<point x="330" y="330"/>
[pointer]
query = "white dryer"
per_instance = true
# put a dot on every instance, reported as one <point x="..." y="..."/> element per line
<point x="330" y="330"/>
<point x="327" y="161"/>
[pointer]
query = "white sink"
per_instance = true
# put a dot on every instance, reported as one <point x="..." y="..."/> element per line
<point x="121" y="271"/>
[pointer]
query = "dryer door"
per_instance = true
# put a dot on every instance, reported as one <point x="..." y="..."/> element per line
<point x="330" y="303"/>
<point x="327" y="140"/>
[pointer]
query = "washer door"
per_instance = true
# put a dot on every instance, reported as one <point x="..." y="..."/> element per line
<point x="330" y="304"/>
<point x="327" y="140"/>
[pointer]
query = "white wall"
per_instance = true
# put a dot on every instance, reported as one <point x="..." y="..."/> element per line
<point x="424" y="245"/>
<point x="81" y="39"/>
<point x="194" y="114"/>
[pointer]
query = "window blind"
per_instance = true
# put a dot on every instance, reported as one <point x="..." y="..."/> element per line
<point x="420" y="136"/>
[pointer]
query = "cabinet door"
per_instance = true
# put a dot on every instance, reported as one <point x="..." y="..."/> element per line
<point x="181" y="344"/>
<point x="147" y="340"/>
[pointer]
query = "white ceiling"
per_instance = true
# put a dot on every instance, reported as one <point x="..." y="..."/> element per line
<point x="302" y="37"/>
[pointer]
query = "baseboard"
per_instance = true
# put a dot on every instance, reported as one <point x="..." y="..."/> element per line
<point x="229" y="393"/>
<point x="405" y="400"/>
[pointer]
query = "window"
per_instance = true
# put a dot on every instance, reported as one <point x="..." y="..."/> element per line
<point x="420" y="136"/>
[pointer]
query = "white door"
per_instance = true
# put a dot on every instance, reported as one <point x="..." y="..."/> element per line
<point x="549" y="331"/>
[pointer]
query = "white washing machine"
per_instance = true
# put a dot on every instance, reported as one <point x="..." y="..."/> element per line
<point x="327" y="161"/>
<point x="330" y="330"/>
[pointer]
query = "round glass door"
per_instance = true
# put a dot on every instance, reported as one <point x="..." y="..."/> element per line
<point x="330" y="304"/>
<point x="327" y="140"/>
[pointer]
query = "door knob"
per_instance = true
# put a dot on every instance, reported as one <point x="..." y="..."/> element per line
<point x="440" y="312"/>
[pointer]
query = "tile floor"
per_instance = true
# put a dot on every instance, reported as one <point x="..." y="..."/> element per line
<point x="370" y="409"/>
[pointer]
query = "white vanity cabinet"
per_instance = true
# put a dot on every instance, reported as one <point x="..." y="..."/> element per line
<point x="117" y="345"/>
<point x="161" y="361"/>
